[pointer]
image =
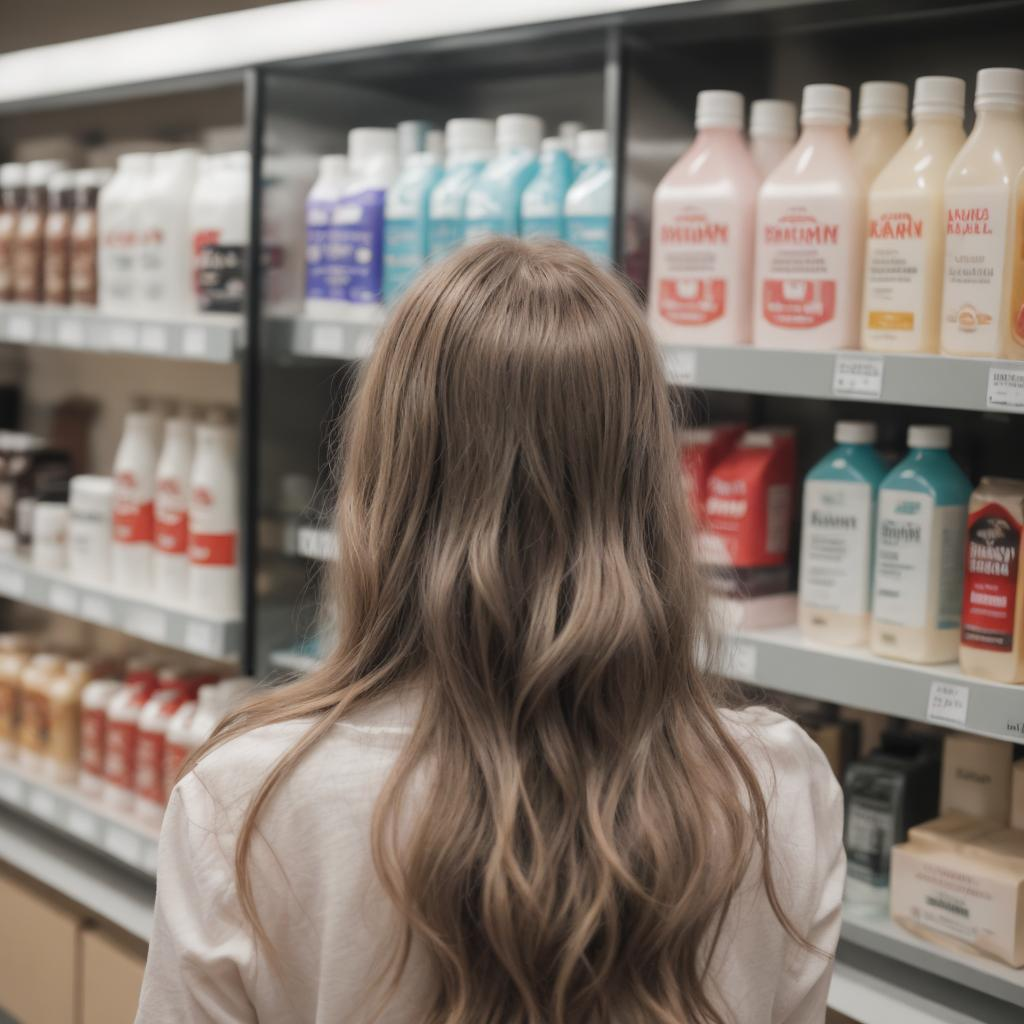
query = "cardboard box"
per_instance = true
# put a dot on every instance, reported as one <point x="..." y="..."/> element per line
<point x="38" y="954"/>
<point x="976" y="777"/>
<point x="112" y="970"/>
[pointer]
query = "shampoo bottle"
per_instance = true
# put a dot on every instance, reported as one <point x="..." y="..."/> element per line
<point x="543" y="203"/>
<point x="772" y="133"/>
<point x="881" y="126"/>
<point x="590" y="202"/>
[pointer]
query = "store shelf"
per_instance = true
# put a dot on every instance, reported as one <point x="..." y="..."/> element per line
<point x="938" y="382"/>
<point x="781" y="660"/>
<point x="210" y="339"/>
<point x="293" y="661"/>
<point x="66" y="809"/>
<point x="314" y="338"/>
<point x="170" y="627"/>
<point x="316" y="543"/>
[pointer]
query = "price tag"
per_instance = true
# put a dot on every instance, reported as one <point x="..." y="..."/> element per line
<point x="12" y="790"/>
<point x="680" y="365"/>
<point x="153" y="339"/>
<point x="83" y="824"/>
<point x="327" y="340"/>
<point x="858" y="376"/>
<point x="201" y="638"/>
<point x="12" y="582"/>
<point x="97" y="609"/>
<point x="63" y="599"/>
<point x="123" y="845"/>
<point x="20" y="327"/>
<point x="147" y="623"/>
<point x="947" y="703"/>
<point x="320" y="544"/>
<point x="42" y="805"/>
<point x="1005" y="389"/>
<point x="364" y="344"/>
<point x="71" y="333"/>
<point x="194" y="343"/>
<point x="123" y="336"/>
<point x="741" y="662"/>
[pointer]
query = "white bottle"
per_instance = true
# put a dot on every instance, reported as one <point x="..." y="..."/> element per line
<point x="976" y="319"/>
<point x="411" y="137"/>
<point x="590" y="201"/>
<point x="324" y="275"/>
<point x="173" y="473"/>
<point x="134" y="494"/>
<point x="178" y="742"/>
<point x="568" y="132"/>
<point x="96" y="698"/>
<point x="810" y="234"/>
<point x="881" y="126"/>
<point x="119" y="213"/>
<point x="772" y="133"/>
<point x="214" y="579"/>
<point x="286" y="182"/>
<point x="165" y="261"/>
<point x="90" y="529"/>
<point x="906" y="225"/>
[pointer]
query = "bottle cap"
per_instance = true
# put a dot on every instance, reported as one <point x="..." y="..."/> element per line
<point x="469" y="135"/>
<point x="554" y="144"/>
<point x="435" y="143"/>
<point x="12" y="175"/>
<point x="40" y="171"/>
<point x="90" y="485"/>
<point x="411" y="136"/>
<point x="568" y="131"/>
<point x="939" y="94"/>
<point x="929" y="436"/>
<point x="999" y="89"/>
<point x="519" y="131"/>
<point x="371" y="143"/>
<point x="592" y="144"/>
<point x="855" y="432"/>
<point x="719" y="108"/>
<point x="334" y="166"/>
<point x="61" y="181"/>
<point x="882" y="99"/>
<point x="773" y="119"/>
<point x="825" y="104"/>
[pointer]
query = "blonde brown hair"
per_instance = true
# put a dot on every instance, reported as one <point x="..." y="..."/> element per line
<point x="514" y="543"/>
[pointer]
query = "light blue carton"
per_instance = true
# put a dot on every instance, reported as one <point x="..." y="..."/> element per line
<point x="542" y="209"/>
<point x="407" y="220"/>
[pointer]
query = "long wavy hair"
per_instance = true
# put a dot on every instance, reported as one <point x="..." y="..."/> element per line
<point x="514" y="542"/>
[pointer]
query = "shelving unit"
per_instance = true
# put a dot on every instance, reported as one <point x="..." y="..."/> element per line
<point x="309" y="338"/>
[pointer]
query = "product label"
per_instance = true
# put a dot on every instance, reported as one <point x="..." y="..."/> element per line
<point x="119" y="755"/>
<point x="541" y="227"/>
<point x="592" y="234"/>
<point x="990" y="579"/>
<point x="444" y="236"/>
<point x="28" y="258"/>
<point x="149" y="765"/>
<point x="359" y="221"/>
<point x="325" y="277"/>
<point x="212" y="548"/>
<point x="56" y="269"/>
<point x="171" y="517"/>
<point x="133" y="519"/>
<point x="835" y="549"/>
<point x="154" y="271"/>
<point x="118" y="256"/>
<point x="404" y="254"/>
<point x="93" y="730"/>
<point x="897" y="273"/>
<point x="747" y="522"/>
<point x="976" y="225"/>
<point x="869" y="838"/>
<point x="8" y="227"/>
<point x="220" y="277"/>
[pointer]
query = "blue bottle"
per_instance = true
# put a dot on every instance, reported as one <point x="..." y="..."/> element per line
<point x="469" y="145"/>
<point x="919" y="552"/>
<point x="590" y="203"/>
<point x="837" y="538"/>
<point x="492" y="206"/>
<point x="542" y="207"/>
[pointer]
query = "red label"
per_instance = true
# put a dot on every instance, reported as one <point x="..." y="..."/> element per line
<point x="895" y="226"/>
<point x="971" y="220"/>
<point x="133" y="523"/>
<point x="789" y="303"/>
<point x="94" y="727"/>
<point x="175" y="756"/>
<point x="691" y="300"/>
<point x="119" y="757"/>
<point x="212" y="548"/>
<point x="149" y="766"/>
<point x="171" y="532"/>
<point x="990" y="579"/>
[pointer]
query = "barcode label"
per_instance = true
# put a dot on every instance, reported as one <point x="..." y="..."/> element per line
<point x="97" y="609"/>
<point x="201" y="638"/>
<point x="123" y="336"/>
<point x="193" y="342"/>
<point x="858" y="376"/>
<point x="147" y="623"/>
<point x="327" y="340"/>
<point x="680" y="366"/>
<point x="947" y="704"/>
<point x="63" y="599"/>
<point x="153" y="339"/>
<point x="1005" y="389"/>
<point x="71" y="333"/>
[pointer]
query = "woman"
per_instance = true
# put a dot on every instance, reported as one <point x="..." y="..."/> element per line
<point x="511" y="794"/>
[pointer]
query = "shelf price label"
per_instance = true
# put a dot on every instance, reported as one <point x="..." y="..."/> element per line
<point x="123" y="845"/>
<point x="123" y="336"/>
<point x="147" y="623"/>
<point x="947" y="704"/>
<point x="194" y="343"/>
<point x="97" y="609"/>
<point x="42" y="805"/>
<point x="63" y="599"/>
<point x="153" y="339"/>
<point x="327" y="340"/>
<point x="680" y="366"/>
<point x="83" y="824"/>
<point x="857" y="376"/>
<point x="20" y="327"/>
<point x="71" y="333"/>
<point x="201" y="638"/>
<point x="1005" y="389"/>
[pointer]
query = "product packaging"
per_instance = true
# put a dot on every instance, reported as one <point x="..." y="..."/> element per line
<point x="700" y="451"/>
<point x="15" y="653"/>
<point x="96" y="698"/>
<point x="121" y="736"/>
<point x="1017" y="796"/>
<point x="57" y="238"/>
<point x="976" y="777"/>
<point x="50" y="535"/>
<point x="134" y="493"/>
<point x="286" y="181"/>
<point x="34" y="724"/>
<point x="12" y="202"/>
<point x="83" y="271"/>
<point x="469" y="145"/>
<point x="219" y="226"/>
<point x="90" y="528"/>
<point x="118" y="217"/>
<point x="30" y="236"/>
<point x="542" y="208"/>
<point x="590" y="202"/>
<point x="772" y="133"/>
<point x="881" y="126"/>
<point x="170" y="511"/>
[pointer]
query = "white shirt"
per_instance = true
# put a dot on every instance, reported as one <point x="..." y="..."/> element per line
<point x="332" y="925"/>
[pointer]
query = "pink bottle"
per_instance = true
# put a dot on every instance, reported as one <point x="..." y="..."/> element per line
<point x="702" y="249"/>
<point x="810" y="234"/>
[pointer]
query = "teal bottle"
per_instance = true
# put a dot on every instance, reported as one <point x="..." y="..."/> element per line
<point x="542" y="209"/>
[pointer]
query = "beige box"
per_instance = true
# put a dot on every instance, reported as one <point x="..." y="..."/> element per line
<point x="111" y="977"/>
<point x="1017" y="796"/>
<point x="960" y="882"/>
<point x="38" y="955"/>
<point x="976" y="777"/>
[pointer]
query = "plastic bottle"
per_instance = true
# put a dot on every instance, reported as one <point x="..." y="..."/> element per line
<point x="165" y="263"/>
<point x="213" y="703"/>
<point x="286" y="180"/>
<point x="837" y="538"/>
<point x="12" y="202"/>
<point x="922" y="517"/>
<point x="173" y="472"/>
<point x="881" y="126"/>
<point x="134" y="494"/>
<point x="810" y="234"/>
<point x="50" y="535"/>
<point x="977" y="300"/>
<point x="95" y="700"/>
<point x="83" y="272"/>
<point x="118" y="214"/>
<point x="407" y="220"/>
<point x="324" y="277"/>
<point x="122" y="734"/>
<point x="568" y="132"/>
<point x="543" y="204"/>
<point x="590" y="201"/>
<point x="214" y="581"/>
<point x="34" y="725"/>
<point x="493" y="201"/>
<point x="906" y="226"/>
<point x="469" y="144"/>
<point x="29" y="240"/>
<point x="411" y="137"/>
<point x="703" y="233"/>
<point x="15" y="653"/>
<point x="178" y="742"/>
<point x="57" y="238"/>
<point x="60" y="759"/>
<point x="772" y="133"/>
<point x="219" y="226"/>
<point x="90" y="528"/>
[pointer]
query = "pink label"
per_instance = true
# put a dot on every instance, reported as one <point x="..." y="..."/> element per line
<point x="789" y="303"/>
<point x="691" y="300"/>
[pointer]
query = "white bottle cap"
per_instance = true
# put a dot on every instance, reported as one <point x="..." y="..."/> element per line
<point x="929" y="436"/>
<point x="939" y="94"/>
<point x="411" y="136"/>
<point x="333" y="166"/>
<point x="592" y="144"/>
<point x="435" y="143"/>
<point x="855" y="432"/>
<point x="12" y="175"/>
<point x="999" y="89"/>
<point x="469" y="135"/>
<point x="825" y="104"/>
<point x="773" y="119"/>
<point x="88" y="485"/>
<point x="40" y="171"/>
<point x="61" y="181"/>
<point x="519" y="131"/>
<point x="719" y="108"/>
<point x="882" y="99"/>
<point x="554" y="144"/>
<point x="93" y="177"/>
<point x="370" y="143"/>
<point x="568" y="131"/>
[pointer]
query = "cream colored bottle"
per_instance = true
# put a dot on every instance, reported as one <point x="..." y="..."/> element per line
<point x="60" y="758"/>
<point x="34" y="728"/>
<point x="881" y="126"/>
<point x="976" y="295"/>
<point x="905" y="257"/>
